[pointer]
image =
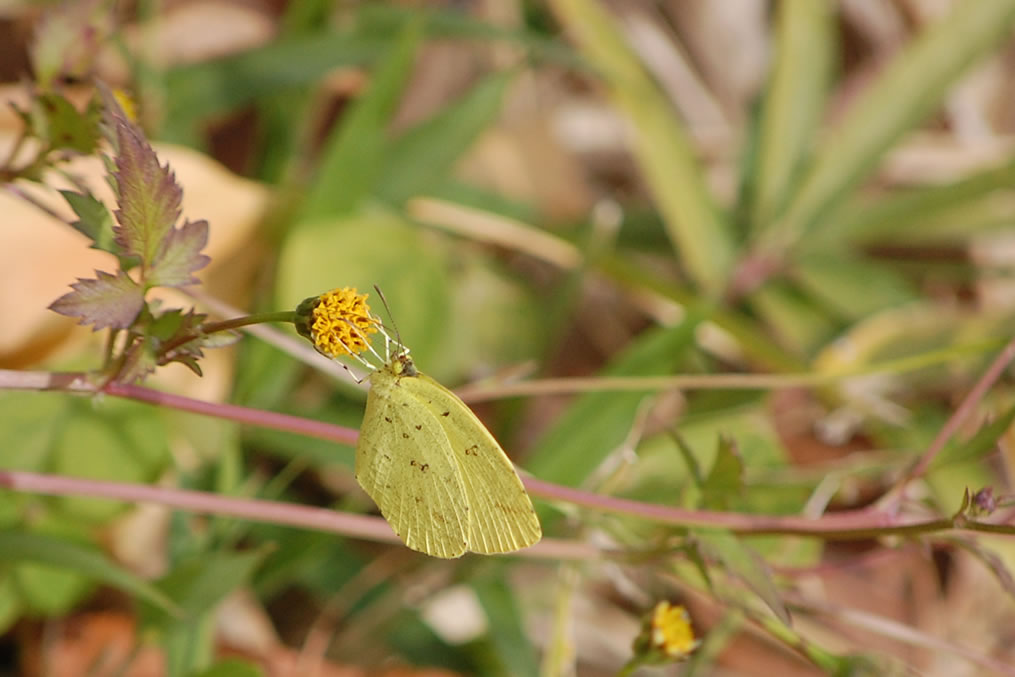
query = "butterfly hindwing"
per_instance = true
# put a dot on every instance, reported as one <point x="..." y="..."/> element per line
<point x="501" y="516"/>
<point x="405" y="462"/>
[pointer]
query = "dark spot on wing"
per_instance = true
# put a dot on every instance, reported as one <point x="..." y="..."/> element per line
<point x="405" y="435"/>
<point x="388" y="419"/>
<point x="419" y="427"/>
<point x="472" y="451"/>
<point x="446" y="413"/>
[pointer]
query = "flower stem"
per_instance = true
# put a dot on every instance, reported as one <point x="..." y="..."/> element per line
<point x="225" y="325"/>
<point x="246" y="320"/>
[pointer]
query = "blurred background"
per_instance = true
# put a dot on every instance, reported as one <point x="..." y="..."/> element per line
<point x="541" y="188"/>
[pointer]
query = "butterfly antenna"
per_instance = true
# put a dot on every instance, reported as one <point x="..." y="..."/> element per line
<point x="398" y="336"/>
<point x="366" y="342"/>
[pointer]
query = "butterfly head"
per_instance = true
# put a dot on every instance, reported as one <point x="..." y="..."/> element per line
<point x="402" y="365"/>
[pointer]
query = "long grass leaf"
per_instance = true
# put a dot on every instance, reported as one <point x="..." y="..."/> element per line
<point x="908" y="90"/>
<point x="660" y="145"/>
<point x="794" y="100"/>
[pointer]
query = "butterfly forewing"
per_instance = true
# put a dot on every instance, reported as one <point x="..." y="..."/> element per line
<point x="405" y="463"/>
<point x="501" y="516"/>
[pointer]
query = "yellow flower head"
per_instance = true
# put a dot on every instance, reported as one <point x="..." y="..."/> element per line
<point x="671" y="630"/>
<point x="666" y="636"/>
<point x="337" y="322"/>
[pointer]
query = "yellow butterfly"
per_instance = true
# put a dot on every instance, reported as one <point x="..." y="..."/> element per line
<point x="440" y="478"/>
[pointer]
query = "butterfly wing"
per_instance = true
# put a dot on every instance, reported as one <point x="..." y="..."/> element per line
<point x="501" y="516"/>
<point x="405" y="463"/>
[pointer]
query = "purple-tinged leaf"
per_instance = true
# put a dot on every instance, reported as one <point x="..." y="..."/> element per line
<point x="112" y="301"/>
<point x="180" y="256"/>
<point x="147" y="194"/>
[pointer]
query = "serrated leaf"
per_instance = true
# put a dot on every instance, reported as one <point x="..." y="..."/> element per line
<point x="17" y="546"/>
<point x="94" y="220"/>
<point x="108" y="301"/>
<point x="726" y="478"/>
<point x="743" y="563"/>
<point x="180" y="256"/>
<point x="147" y="193"/>
<point x="60" y="125"/>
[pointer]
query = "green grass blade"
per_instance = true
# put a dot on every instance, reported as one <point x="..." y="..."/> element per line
<point x="354" y="152"/>
<point x="794" y="100"/>
<point x="18" y="546"/>
<point x="198" y="91"/>
<point x="661" y="146"/>
<point x="950" y="212"/>
<point x="596" y="424"/>
<point x="908" y="90"/>
<point x="423" y="156"/>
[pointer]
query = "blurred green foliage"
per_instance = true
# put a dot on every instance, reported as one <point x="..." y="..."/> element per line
<point x="827" y="302"/>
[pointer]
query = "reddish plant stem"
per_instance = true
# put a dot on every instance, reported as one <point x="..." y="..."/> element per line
<point x="955" y="421"/>
<point x="858" y="524"/>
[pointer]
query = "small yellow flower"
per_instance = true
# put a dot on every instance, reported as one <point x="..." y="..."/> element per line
<point x="666" y="636"/>
<point x="671" y="630"/>
<point x="338" y="322"/>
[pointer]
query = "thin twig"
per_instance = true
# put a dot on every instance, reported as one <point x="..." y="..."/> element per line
<point x="958" y="417"/>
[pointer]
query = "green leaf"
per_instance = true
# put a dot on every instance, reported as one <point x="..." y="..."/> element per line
<point x="196" y="92"/>
<point x="30" y="423"/>
<point x="94" y="220"/>
<point x="197" y="585"/>
<point x="60" y="125"/>
<point x="726" y="478"/>
<point x="112" y="301"/>
<point x="421" y="158"/>
<point x="10" y="603"/>
<point x="799" y="323"/>
<point x="854" y="288"/>
<point x="903" y="95"/>
<point x="596" y="424"/>
<point x="354" y="152"/>
<point x="506" y="626"/>
<point x="21" y="547"/>
<point x="941" y="213"/>
<point x="117" y="443"/>
<point x="793" y="101"/>
<point x="661" y="147"/>
<point x="743" y="563"/>
<point x="147" y="194"/>
<point x="180" y="256"/>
